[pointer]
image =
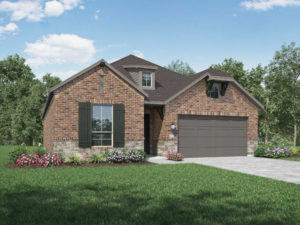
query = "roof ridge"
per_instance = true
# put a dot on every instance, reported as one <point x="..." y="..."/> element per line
<point x="162" y="67"/>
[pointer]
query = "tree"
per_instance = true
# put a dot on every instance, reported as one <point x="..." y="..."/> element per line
<point x="22" y="99"/>
<point x="15" y="81"/>
<point x="283" y="86"/>
<point x="234" y="68"/>
<point x="181" y="67"/>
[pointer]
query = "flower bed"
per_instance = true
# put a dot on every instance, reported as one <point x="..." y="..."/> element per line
<point x="272" y="152"/>
<point x="22" y="158"/>
<point x="47" y="160"/>
<point x="175" y="156"/>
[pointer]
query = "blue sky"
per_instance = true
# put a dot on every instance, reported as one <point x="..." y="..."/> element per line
<point x="64" y="36"/>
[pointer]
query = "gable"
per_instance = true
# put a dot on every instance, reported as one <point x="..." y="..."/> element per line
<point x="87" y="72"/>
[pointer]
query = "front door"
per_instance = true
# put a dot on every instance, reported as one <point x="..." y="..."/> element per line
<point x="147" y="133"/>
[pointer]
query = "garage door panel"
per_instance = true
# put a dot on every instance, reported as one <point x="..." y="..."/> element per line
<point x="209" y="136"/>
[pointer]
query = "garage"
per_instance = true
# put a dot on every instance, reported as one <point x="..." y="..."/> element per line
<point x="212" y="136"/>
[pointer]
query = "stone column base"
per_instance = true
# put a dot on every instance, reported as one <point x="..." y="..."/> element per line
<point x="163" y="147"/>
<point x="251" y="146"/>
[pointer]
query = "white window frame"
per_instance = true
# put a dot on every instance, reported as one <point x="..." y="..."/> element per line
<point x="148" y="73"/>
<point x="101" y="132"/>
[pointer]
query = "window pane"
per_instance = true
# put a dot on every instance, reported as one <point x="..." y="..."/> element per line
<point x="146" y="81"/>
<point x="96" y="136"/>
<point x="106" y="143"/>
<point x="149" y="82"/>
<point x="106" y="118"/>
<point x="106" y="136"/>
<point x="96" y="120"/>
<point x="96" y="143"/>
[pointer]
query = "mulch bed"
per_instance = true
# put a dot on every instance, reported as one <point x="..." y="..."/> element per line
<point x="295" y="156"/>
<point x="85" y="165"/>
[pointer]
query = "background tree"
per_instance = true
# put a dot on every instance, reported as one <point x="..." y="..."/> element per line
<point x="234" y="68"/>
<point x="22" y="99"/>
<point x="283" y="87"/>
<point x="181" y="67"/>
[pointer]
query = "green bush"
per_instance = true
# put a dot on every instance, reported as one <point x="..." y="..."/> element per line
<point x="14" y="155"/>
<point x="260" y="151"/>
<point x="96" y="158"/>
<point x="38" y="150"/>
<point x="142" y="153"/>
<point x="74" y="159"/>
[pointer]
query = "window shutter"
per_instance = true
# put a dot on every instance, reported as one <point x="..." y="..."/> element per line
<point x="119" y="125"/>
<point x="84" y="131"/>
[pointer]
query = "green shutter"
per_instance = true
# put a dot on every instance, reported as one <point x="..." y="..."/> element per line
<point x="119" y="125"/>
<point x="84" y="131"/>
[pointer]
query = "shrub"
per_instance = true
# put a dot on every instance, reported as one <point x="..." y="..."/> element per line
<point x="46" y="160"/>
<point x="38" y="150"/>
<point x="278" y="152"/>
<point x="260" y="151"/>
<point x="176" y="156"/>
<point x="116" y="156"/>
<point x="14" y="155"/>
<point x="74" y="159"/>
<point x="96" y="158"/>
<point x="136" y="155"/>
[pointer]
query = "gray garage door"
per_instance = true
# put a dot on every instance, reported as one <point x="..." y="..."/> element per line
<point x="210" y="136"/>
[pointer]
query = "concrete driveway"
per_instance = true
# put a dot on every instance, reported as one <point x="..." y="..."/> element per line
<point x="277" y="169"/>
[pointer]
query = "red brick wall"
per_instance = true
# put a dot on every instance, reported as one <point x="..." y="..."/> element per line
<point x="49" y="124"/>
<point x="86" y="88"/>
<point x="194" y="101"/>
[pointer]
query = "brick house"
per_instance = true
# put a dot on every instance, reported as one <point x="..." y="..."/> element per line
<point x="135" y="104"/>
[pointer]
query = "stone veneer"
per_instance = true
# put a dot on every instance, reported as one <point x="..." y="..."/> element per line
<point x="61" y="119"/>
<point x="71" y="147"/>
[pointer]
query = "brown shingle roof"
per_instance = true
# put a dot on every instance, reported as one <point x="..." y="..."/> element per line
<point x="167" y="82"/>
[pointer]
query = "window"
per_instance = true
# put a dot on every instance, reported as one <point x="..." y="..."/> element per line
<point x="102" y="125"/>
<point x="213" y="92"/>
<point x="101" y="83"/>
<point x="146" y="80"/>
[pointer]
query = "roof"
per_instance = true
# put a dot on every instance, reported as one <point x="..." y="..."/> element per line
<point x="168" y="84"/>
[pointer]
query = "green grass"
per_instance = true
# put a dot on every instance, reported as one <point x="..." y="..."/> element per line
<point x="291" y="159"/>
<point x="148" y="194"/>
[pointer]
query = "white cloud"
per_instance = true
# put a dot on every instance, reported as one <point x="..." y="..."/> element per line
<point x="70" y="4"/>
<point x="54" y="8"/>
<point x="33" y="10"/>
<point x="138" y="53"/>
<point x="96" y="17"/>
<point x="82" y="7"/>
<point x="9" y="28"/>
<point x="60" y="48"/>
<point x="263" y="5"/>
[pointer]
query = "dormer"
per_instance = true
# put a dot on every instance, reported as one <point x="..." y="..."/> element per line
<point x="143" y="75"/>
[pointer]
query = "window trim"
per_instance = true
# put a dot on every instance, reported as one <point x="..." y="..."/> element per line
<point x="151" y="78"/>
<point x="112" y="126"/>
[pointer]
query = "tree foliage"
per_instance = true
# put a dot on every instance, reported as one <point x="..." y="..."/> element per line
<point x="283" y="89"/>
<point x="181" y="67"/>
<point x="22" y="98"/>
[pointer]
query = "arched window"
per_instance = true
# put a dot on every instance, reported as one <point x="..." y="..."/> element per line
<point x="213" y="92"/>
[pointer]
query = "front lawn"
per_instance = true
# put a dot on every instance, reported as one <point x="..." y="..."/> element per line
<point x="147" y="194"/>
<point x="292" y="159"/>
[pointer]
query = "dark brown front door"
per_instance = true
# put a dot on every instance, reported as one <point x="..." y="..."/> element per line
<point x="147" y="133"/>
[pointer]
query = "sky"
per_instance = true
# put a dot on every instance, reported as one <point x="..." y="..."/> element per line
<point x="62" y="37"/>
